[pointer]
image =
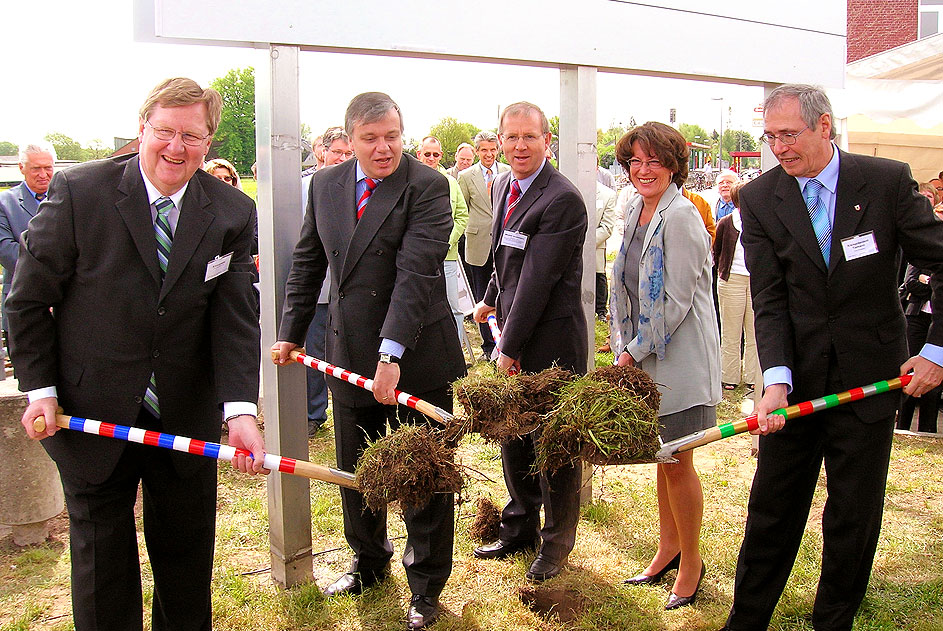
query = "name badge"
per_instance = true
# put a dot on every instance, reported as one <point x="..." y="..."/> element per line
<point x="219" y="265"/>
<point x="513" y="239"/>
<point x="859" y="245"/>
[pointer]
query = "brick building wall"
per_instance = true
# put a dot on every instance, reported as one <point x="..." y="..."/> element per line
<point x="878" y="25"/>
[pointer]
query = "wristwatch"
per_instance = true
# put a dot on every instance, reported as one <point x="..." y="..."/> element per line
<point x="387" y="358"/>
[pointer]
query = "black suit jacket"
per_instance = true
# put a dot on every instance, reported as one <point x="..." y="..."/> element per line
<point x="536" y="290"/>
<point x="91" y="255"/>
<point x="386" y="277"/>
<point x="805" y="312"/>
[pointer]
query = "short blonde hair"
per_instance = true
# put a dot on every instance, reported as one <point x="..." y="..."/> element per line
<point x="223" y="163"/>
<point x="181" y="91"/>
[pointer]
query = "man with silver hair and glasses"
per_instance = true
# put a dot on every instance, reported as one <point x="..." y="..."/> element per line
<point x="18" y="205"/>
<point x="382" y="221"/>
<point x="476" y="183"/>
<point x="133" y="303"/>
<point x="821" y="233"/>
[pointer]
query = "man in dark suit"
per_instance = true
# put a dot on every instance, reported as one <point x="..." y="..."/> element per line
<point x="821" y="234"/>
<point x="139" y="336"/>
<point x="383" y="222"/>
<point x="537" y="244"/>
<point x="19" y="204"/>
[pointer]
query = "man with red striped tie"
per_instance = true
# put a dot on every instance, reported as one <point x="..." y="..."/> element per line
<point x="537" y="244"/>
<point x="383" y="222"/>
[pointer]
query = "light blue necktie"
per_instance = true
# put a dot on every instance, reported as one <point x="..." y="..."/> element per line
<point x="818" y="213"/>
<point x="165" y="238"/>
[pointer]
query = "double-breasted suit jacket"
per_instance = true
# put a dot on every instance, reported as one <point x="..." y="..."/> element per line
<point x="17" y="207"/>
<point x="480" y="215"/>
<point x="804" y="312"/>
<point x="386" y="277"/>
<point x="536" y="289"/>
<point x="91" y="255"/>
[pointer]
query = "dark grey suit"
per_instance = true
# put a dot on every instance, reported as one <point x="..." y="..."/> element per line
<point x="386" y="282"/>
<point x="835" y="328"/>
<point x="91" y="255"/>
<point x="536" y="292"/>
<point x="17" y="207"/>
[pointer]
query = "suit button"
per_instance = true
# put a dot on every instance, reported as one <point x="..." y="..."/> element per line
<point x="373" y="292"/>
<point x="340" y="295"/>
<point x="161" y="310"/>
<point x="138" y="400"/>
<point x="335" y="331"/>
<point x="334" y="252"/>
<point x="379" y="252"/>
<point x="155" y="354"/>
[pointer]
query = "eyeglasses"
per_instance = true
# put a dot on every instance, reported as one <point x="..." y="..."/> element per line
<point x="166" y="134"/>
<point x="431" y="154"/>
<point x="787" y="138"/>
<point x="635" y="163"/>
<point x="341" y="152"/>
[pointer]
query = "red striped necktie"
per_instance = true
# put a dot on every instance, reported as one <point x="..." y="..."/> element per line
<point x="362" y="202"/>
<point x="513" y="199"/>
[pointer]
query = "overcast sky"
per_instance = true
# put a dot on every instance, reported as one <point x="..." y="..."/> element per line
<point x="74" y="68"/>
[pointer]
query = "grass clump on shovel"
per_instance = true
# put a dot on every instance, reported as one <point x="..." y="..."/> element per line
<point x="407" y="466"/>
<point x="601" y="422"/>
<point x="501" y="407"/>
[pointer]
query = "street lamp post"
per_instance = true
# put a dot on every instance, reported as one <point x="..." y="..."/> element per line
<point x="720" y="141"/>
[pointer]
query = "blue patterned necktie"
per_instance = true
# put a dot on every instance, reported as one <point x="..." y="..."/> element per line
<point x="165" y="239"/>
<point x="818" y="213"/>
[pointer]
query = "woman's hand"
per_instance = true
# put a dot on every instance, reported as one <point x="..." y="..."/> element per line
<point x="625" y="359"/>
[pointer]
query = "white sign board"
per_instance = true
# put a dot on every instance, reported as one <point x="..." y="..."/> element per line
<point x="740" y="41"/>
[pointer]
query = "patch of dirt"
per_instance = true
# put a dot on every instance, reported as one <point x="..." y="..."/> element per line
<point x="633" y="379"/>
<point x="564" y="603"/>
<point x="487" y="521"/>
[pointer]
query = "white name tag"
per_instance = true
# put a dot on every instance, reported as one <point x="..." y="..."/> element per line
<point x="219" y="265"/>
<point x="859" y="245"/>
<point x="513" y="239"/>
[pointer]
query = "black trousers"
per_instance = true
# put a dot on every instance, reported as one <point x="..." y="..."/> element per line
<point x="430" y="529"/>
<point x="478" y="277"/>
<point x="856" y="457"/>
<point x="558" y="493"/>
<point x="179" y="531"/>
<point x="602" y="295"/>
<point x="929" y="403"/>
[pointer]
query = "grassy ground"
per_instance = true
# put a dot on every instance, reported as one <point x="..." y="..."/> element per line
<point x="616" y="538"/>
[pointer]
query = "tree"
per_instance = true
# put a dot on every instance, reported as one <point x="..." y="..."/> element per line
<point x="66" y="148"/>
<point x="451" y="133"/>
<point x="95" y="150"/>
<point x="236" y="133"/>
<point x="9" y="148"/>
<point x="606" y="144"/>
<point x="693" y="133"/>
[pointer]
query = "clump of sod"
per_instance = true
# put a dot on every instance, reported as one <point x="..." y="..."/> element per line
<point x="500" y="407"/>
<point x="407" y="466"/>
<point x="633" y="379"/>
<point x="600" y="423"/>
<point x="487" y="520"/>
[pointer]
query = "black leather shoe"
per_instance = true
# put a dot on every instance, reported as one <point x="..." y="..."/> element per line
<point x="645" y="579"/>
<point x="676" y="602"/>
<point x="422" y="612"/>
<point x="503" y="549"/>
<point x="352" y="583"/>
<point x="543" y="569"/>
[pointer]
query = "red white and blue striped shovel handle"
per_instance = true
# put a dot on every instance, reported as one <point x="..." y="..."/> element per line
<point x="496" y="335"/>
<point x="271" y="462"/>
<point x="805" y="408"/>
<point x="432" y="411"/>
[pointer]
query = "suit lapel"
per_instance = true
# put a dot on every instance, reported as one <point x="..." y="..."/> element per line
<point x="134" y="210"/>
<point x="530" y="196"/>
<point x="378" y="208"/>
<point x="195" y="218"/>
<point x="499" y="196"/>
<point x="850" y="204"/>
<point x="27" y="202"/>
<point x="479" y="180"/>
<point x="342" y="214"/>
<point x="794" y="214"/>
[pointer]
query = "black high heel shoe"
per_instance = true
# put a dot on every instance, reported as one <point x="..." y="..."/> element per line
<point x="645" y="579"/>
<point x="676" y="602"/>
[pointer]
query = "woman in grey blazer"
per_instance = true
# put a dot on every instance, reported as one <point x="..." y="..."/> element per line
<point x="663" y="321"/>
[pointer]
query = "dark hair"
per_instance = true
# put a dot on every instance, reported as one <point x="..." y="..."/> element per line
<point x="661" y="141"/>
<point x="369" y="107"/>
<point x="735" y="193"/>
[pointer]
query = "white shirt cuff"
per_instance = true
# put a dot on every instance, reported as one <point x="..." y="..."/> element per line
<point x="933" y="353"/>
<point x="235" y="408"/>
<point x="42" y="393"/>
<point x="392" y="347"/>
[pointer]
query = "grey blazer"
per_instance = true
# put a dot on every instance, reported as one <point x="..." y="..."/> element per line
<point x="17" y="207"/>
<point x="480" y="214"/>
<point x="689" y="374"/>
